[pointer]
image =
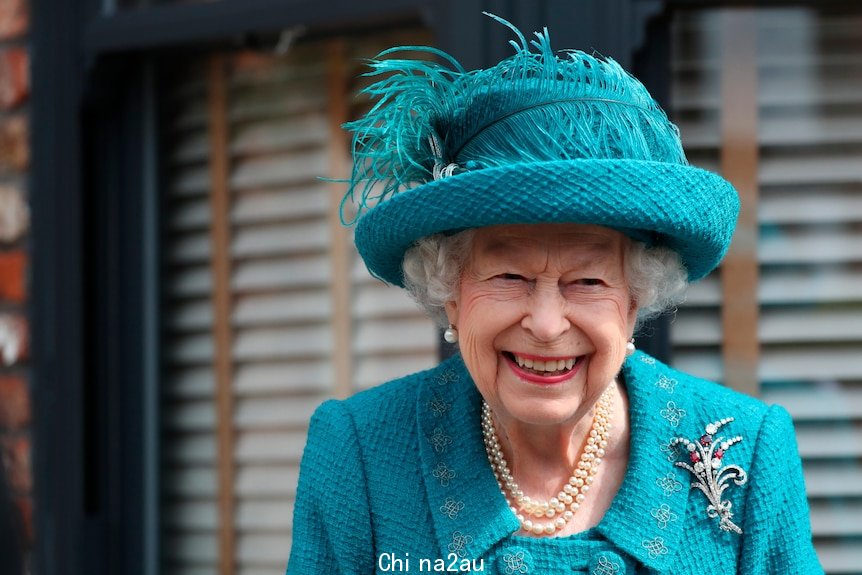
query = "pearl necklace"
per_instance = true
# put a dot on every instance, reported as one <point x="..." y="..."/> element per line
<point x="562" y="508"/>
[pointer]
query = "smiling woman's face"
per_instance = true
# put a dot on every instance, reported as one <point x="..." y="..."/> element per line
<point x="543" y="314"/>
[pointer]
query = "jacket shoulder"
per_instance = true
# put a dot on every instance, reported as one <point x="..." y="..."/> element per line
<point x="390" y="405"/>
<point x="696" y="400"/>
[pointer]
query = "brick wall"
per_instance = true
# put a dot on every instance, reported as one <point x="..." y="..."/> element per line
<point x="15" y="423"/>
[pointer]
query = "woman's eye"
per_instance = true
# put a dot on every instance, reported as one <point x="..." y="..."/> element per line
<point x="511" y="277"/>
<point x="590" y="282"/>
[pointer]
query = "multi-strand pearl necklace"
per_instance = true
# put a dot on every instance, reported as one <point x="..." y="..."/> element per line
<point x="547" y="517"/>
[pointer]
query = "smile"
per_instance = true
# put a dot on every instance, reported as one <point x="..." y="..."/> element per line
<point x="539" y="365"/>
<point x="544" y="369"/>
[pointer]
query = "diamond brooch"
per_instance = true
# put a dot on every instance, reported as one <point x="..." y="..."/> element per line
<point x="705" y="457"/>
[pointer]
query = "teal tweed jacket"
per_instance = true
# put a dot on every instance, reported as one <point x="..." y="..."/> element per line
<point x="396" y="480"/>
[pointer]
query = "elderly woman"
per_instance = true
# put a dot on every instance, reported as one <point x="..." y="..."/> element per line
<point x="540" y="209"/>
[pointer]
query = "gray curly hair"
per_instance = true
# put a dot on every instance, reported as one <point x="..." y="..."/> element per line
<point x="432" y="270"/>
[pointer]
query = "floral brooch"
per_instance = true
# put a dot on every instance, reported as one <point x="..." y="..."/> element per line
<point x="705" y="456"/>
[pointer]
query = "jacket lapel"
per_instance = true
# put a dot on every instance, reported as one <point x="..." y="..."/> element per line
<point x="469" y="513"/>
<point x="647" y="515"/>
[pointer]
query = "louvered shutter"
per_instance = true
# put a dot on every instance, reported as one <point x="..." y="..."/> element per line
<point x="810" y="247"/>
<point x="281" y="288"/>
<point x="188" y="447"/>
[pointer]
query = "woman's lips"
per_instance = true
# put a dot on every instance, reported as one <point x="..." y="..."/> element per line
<point x="525" y="366"/>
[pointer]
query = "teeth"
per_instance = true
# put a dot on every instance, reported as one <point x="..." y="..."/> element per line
<point x="549" y="365"/>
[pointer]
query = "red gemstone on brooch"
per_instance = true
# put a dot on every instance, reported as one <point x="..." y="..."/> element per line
<point x="694" y="456"/>
<point x="718" y="453"/>
<point x="705" y="440"/>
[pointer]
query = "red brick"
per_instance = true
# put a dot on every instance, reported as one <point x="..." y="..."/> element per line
<point x="12" y="276"/>
<point x="14" y="18"/>
<point x="14" y="144"/>
<point x="14" y="77"/>
<point x="16" y="459"/>
<point x="14" y="403"/>
<point x="14" y="339"/>
<point x="14" y="214"/>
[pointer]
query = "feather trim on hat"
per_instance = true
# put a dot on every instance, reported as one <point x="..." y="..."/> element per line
<point x="433" y="120"/>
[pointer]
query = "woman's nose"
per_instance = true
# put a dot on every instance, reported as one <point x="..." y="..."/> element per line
<point x="546" y="317"/>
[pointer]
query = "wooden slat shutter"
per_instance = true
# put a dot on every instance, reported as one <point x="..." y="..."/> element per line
<point x="189" y="475"/>
<point x="810" y="248"/>
<point x="282" y="272"/>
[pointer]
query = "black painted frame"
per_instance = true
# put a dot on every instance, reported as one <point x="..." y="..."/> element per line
<point x="94" y="237"/>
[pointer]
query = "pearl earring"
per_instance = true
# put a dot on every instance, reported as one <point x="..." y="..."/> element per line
<point x="630" y="347"/>
<point x="451" y="334"/>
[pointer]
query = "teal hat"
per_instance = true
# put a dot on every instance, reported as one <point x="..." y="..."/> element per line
<point x="541" y="137"/>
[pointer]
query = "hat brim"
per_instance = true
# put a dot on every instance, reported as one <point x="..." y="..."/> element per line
<point x="690" y="210"/>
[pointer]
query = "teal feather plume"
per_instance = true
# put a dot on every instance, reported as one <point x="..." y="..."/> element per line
<point x="433" y="119"/>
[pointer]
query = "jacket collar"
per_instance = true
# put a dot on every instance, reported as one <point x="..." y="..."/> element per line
<point x="469" y="513"/>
